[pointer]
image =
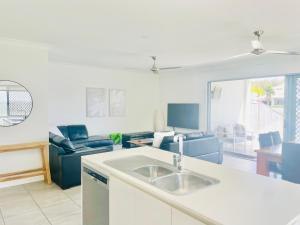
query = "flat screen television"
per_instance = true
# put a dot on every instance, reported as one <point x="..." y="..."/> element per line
<point x="185" y="115"/>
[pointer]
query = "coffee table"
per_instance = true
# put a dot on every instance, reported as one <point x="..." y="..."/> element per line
<point x="141" y="142"/>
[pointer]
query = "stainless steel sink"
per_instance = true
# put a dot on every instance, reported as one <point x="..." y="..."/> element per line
<point x="182" y="183"/>
<point x="153" y="171"/>
<point x="162" y="175"/>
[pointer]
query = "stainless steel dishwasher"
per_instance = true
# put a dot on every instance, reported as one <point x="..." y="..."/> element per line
<point x="95" y="198"/>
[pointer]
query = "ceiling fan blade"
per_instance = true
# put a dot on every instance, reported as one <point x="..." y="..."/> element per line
<point x="283" y="52"/>
<point x="170" y="68"/>
<point x="238" y="56"/>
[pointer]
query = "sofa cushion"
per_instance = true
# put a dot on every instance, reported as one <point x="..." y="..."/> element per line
<point x="51" y="136"/>
<point x="99" y="143"/>
<point x="66" y="144"/>
<point x="56" y="139"/>
<point x="77" y="132"/>
<point x="193" y="136"/>
<point x="80" y="145"/>
<point x="90" y="139"/>
<point x="159" y="136"/>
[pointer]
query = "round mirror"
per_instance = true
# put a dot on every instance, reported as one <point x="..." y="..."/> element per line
<point x="15" y="103"/>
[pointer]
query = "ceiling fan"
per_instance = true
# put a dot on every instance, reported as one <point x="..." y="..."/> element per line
<point x="156" y="69"/>
<point x="258" y="48"/>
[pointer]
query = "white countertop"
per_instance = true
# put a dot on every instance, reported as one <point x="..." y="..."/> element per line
<point x="239" y="199"/>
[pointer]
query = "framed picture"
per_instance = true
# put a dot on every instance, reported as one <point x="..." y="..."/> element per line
<point x="96" y="102"/>
<point x="117" y="102"/>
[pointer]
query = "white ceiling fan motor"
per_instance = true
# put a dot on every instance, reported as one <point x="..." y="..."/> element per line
<point x="256" y="44"/>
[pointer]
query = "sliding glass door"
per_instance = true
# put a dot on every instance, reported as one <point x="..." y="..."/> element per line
<point x="240" y="110"/>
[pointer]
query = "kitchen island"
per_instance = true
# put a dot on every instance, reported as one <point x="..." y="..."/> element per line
<point x="238" y="198"/>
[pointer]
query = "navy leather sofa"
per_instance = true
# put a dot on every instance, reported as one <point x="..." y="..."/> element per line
<point x="65" y="153"/>
<point x="198" y="145"/>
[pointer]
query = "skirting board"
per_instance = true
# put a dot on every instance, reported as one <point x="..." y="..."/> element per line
<point x="21" y="181"/>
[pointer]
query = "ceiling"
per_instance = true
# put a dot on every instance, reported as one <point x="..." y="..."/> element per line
<point x="124" y="33"/>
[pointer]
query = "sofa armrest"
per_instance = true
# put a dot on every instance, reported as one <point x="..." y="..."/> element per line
<point x="56" y="150"/>
<point x="55" y="154"/>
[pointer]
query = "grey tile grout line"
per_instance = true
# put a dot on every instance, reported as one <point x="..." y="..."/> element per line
<point x="2" y="217"/>
<point x="37" y="205"/>
<point x="72" y="200"/>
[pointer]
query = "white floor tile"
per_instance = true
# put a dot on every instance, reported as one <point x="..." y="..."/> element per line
<point x="74" y="219"/>
<point x="60" y="211"/>
<point x="49" y="197"/>
<point x="74" y="194"/>
<point x="33" y="218"/>
<point x="73" y="191"/>
<point x="41" y="185"/>
<point x="12" y="190"/>
<point x="13" y="209"/>
<point x="77" y="201"/>
<point x="14" y="197"/>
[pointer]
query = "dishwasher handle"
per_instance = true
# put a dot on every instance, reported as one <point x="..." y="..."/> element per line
<point x="97" y="177"/>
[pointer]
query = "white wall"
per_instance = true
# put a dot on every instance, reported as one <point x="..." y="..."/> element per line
<point x="67" y="97"/>
<point x="26" y="64"/>
<point x="230" y="107"/>
<point x="190" y="84"/>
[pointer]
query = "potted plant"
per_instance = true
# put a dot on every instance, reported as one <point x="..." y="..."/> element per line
<point x="117" y="139"/>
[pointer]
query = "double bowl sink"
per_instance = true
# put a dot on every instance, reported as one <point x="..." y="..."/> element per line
<point x="163" y="175"/>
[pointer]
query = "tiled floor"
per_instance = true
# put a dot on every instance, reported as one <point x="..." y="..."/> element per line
<point x="40" y="204"/>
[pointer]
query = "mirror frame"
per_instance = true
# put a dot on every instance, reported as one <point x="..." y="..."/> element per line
<point x="31" y="103"/>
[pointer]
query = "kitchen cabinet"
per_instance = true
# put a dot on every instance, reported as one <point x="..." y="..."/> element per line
<point x="121" y="207"/>
<point x="150" y="211"/>
<point x="131" y="206"/>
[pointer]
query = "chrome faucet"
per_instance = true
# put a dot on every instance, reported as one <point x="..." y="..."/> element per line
<point x="177" y="158"/>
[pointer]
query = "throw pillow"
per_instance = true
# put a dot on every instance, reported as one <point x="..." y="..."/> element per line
<point x="159" y="136"/>
<point x="166" y="140"/>
<point x="67" y="145"/>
